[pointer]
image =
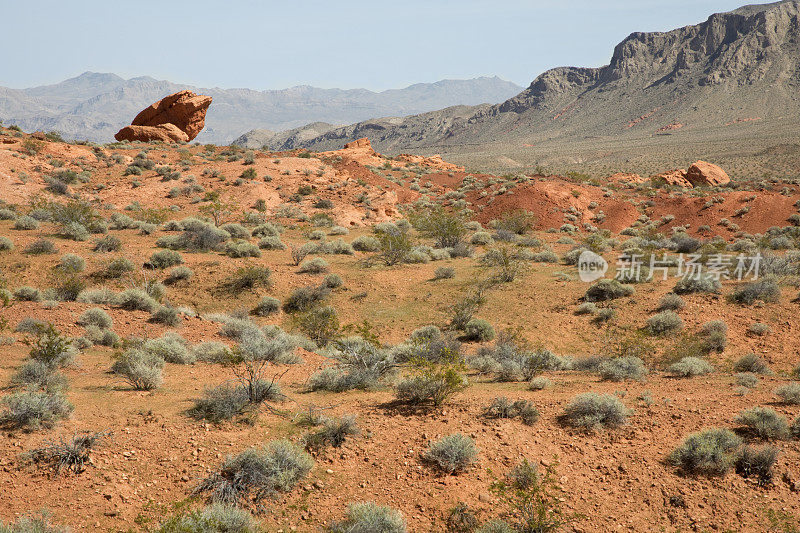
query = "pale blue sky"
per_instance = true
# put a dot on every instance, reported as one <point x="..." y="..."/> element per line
<point x="346" y="43"/>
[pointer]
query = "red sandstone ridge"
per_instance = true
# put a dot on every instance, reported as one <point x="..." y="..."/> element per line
<point x="177" y="117"/>
<point x="623" y="177"/>
<point x="672" y="177"/>
<point x="363" y="142"/>
<point x="704" y="174"/>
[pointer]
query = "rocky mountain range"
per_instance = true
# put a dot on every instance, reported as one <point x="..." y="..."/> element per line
<point x="94" y="106"/>
<point x="734" y="71"/>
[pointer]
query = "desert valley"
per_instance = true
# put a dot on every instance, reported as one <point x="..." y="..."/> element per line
<point x="575" y="308"/>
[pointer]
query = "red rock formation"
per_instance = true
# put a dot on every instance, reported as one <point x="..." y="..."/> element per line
<point x="185" y="111"/>
<point x="672" y="177"/>
<point x="704" y="174"/>
<point x="163" y="132"/>
<point x="359" y="143"/>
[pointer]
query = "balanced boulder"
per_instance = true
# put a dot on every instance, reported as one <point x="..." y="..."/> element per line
<point x="179" y="117"/>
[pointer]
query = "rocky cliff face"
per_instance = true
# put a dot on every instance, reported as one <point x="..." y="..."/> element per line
<point x="735" y="66"/>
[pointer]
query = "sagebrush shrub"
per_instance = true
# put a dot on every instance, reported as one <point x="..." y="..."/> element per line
<point x="608" y="289"/>
<point x="109" y="243"/>
<point x="622" y="368"/>
<point x="452" y="454"/>
<point x="334" y="432"/>
<point x="752" y="363"/>
<point x="95" y="317"/>
<point x="32" y="524"/>
<point x="693" y="284"/>
<point x="710" y="452"/>
<point x="591" y="410"/>
<point x="27" y="294"/>
<point x="369" y="517"/>
<point x="41" y="247"/>
<point x="789" y="393"/>
<point x="671" y="302"/>
<point x="266" y="306"/>
<point x="665" y="323"/>
<point x="479" y="330"/>
<point x="247" y="279"/>
<point x="305" y="298"/>
<point x="214" y="518"/>
<point x="135" y="300"/>
<point x="689" y="367"/>
<point x="164" y="259"/>
<point x="25" y="223"/>
<point x="764" y="290"/>
<point x="764" y="423"/>
<point x="316" y="265"/>
<point x="502" y="407"/>
<point x="257" y="473"/>
<point x="757" y="463"/>
<point x="179" y="273"/>
<point x="33" y="410"/>
<point x="143" y="371"/>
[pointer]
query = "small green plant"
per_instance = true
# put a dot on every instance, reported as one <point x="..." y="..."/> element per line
<point x="452" y="454"/>
<point x="710" y="452"/>
<point x="591" y="411"/>
<point x="763" y="423"/>
<point x="368" y="517"/>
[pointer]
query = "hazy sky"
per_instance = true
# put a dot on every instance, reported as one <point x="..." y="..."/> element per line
<point x="346" y="43"/>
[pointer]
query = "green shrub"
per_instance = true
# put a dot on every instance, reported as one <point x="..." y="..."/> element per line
<point x="332" y="281"/>
<point x="32" y="524"/>
<point x="764" y="423"/>
<point x="41" y="247"/>
<point x="320" y="324"/>
<point x="211" y="352"/>
<point x="304" y="298"/>
<point x="115" y="269"/>
<point x="758" y="329"/>
<point x="266" y="306"/>
<point x="764" y="290"/>
<point x="74" y="231"/>
<point x="247" y="279"/>
<point x="257" y="473"/>
<point x="164" y="259"/>
<point x="142" y="370"/>
<point x="715" y="336"/>
<point x="444" y="273"/>
<point x="166" y="315"/>
<point x="95" y="317"/>
<point x="316" y="265"/>
<point x="757" y="463"/>
<point x="665" y="323"/>
<point x="225" y="401"/>
<point x="109" y="243"/>
<point x="39" y="375"/>
<point x="693" y="284"/>
<point x="179" y="273"/>
<point x="236" y="231"/>
<point x="746" y="379"/>
<point x="710" y="452"/>
<point x="479" y="330"/>
<point x="6" y="244"/>
<point x="67" y="454"/>
<point x="27" y="294"/>
<point x="32" y="410"/>
<point x="239" y="248"/>
<point x="271" y="243"/>
<point x="334" y="432"/>
<point x="671" y="302"/>
<point x="214" y="518"/>
<point x="135" y="300"/>
<point x="752" y="363"/>
<point x="689" y="367"/>
<point x="359" y="365"/>
<point x="25" y="223"/>
<point x="72" y="263"/>
<point x="591" y="411"/>
<point x="366" y="243"/>
<point x="368" y="517"/>
<point x="452" y="454"/>
<point x="608" y="289"/>
<point x="101" y="336"/>
<point x="502" y="407"/>
<point x="789" y="393"/>
<point x="539" y="383"/>
<point x="622" y="368"/>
